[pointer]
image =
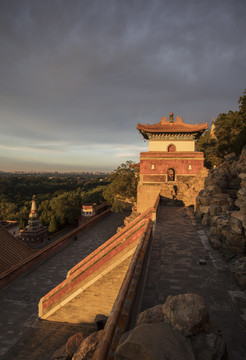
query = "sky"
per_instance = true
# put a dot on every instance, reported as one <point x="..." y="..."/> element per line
<point x="77" y="76"/>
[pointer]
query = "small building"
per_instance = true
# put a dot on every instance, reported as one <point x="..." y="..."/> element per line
<point x="171" y="156"/>
<point x="34" y="233"/>
<point x="12" y="227"/>
<point x="88" y="209"/>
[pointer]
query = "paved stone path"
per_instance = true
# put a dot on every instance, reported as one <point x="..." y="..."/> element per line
<point x="19" y="302"/>
<point x="177" y="247"/>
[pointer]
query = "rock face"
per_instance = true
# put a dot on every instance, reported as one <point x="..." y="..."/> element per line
<point x="88" y="346"/>
<point x="187" y="313"/>
<point x="73" y="344"/>
<point x="154" y="342"/>
<point x="222" y="204"/>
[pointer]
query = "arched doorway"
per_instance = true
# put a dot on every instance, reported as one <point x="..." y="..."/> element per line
<point x="170" y="175"/>
<point x="171" y="148"/>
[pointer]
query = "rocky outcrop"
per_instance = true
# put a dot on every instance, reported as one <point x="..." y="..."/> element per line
<point x="73" y="343"/>
<point x="88" y="346"/>
<point x="178" y="329"/>
<point x="222" y="204"/>
<point x="154" y="342"/>
<point x="187" y="313"/>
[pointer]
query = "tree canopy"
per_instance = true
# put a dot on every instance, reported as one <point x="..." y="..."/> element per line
<point x="122" y="187"/>
<point x="59" y="199"/>
<point x="230" y="131"/>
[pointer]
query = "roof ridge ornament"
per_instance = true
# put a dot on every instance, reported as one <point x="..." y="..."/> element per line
<point x="164" y="120"/>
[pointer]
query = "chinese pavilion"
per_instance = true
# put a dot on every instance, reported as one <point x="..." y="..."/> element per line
<point x="171" y="155"/>
<point x="34" y="233"/>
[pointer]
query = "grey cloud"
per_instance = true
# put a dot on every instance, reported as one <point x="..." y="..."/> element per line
<point x="90" y="70"/>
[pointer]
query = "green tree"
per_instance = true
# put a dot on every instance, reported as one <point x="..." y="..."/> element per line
<point x="66" y="207"/>
<point x="93" y="196"/>
<point x="53" y="226"/>
<point x="22" y="224"/>
<point x="209" y="146"/>
<point x="230" y="130"/>
<point x="242" y="103"/>
<point x="123" y="186"/>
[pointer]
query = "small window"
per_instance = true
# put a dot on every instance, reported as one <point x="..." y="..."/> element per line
<point x="171" y="148"/>
<point x="189" y="167"/>
<point x="153" y="167"/>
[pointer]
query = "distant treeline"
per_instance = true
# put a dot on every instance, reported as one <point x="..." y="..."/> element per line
<point x="59" y="198"/>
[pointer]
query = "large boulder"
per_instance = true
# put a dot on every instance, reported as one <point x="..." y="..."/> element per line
<point x="73" y="344"/>
<point x="151" y="316"/>
<point x="154" y="342"/>
<point x="187" y="313"/>
<point x="88" y="346"/>
<point x="209" y="345"/>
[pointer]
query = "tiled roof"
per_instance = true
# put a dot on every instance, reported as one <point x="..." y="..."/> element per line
<point x="175" y="127"/>
<point x="12" y="250"/>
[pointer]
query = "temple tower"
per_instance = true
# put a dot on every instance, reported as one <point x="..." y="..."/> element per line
<point x="171" y="157"/>
<point x="34" y="233"/>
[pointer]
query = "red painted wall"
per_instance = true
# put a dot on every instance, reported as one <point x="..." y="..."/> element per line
<point x="164" y="161"/>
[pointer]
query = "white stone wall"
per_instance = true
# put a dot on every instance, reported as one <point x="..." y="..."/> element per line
<point x="162" y="145"/>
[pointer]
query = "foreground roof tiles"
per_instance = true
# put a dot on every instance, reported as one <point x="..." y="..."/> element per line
<point x="12" y="250"/>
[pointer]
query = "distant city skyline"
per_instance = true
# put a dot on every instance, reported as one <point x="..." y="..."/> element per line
<point x="76" y="77"/>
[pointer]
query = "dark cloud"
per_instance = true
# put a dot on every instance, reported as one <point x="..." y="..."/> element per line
<point x="89" y="71"/>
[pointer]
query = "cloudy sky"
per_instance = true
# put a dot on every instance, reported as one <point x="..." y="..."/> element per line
<point x="77" y="76"/>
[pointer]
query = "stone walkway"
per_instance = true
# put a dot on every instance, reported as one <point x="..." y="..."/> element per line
<point x="178" y="245"/>
<point x="24" y="337"/>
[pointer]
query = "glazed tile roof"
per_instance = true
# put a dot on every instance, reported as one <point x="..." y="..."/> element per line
<point x="12" y="250"/>
<point x="174" y="127"/>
